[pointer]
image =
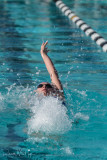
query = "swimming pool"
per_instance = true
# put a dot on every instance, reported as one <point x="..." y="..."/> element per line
<point x="32" y="128"/>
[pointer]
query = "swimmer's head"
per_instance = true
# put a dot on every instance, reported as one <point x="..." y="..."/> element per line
<point x="45" y="88"/>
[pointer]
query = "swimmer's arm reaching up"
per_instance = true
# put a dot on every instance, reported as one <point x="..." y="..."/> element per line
<point x="50" y="67"/>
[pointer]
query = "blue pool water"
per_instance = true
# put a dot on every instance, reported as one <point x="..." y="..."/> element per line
<point x="42" y="128"/>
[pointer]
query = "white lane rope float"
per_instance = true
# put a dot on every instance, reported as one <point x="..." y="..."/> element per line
<point x="82" y="25"/>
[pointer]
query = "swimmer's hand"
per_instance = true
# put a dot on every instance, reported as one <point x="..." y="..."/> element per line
<point x="44" y="49"/>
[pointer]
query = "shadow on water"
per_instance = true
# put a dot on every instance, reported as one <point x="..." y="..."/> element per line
<point x="12" y="48"/>
<point x="11" y="135"/>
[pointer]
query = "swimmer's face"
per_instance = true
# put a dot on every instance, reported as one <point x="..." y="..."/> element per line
<point x="45" y="88"/>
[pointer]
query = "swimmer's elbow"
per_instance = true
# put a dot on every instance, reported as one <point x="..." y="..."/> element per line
<point x="53" y="74"/>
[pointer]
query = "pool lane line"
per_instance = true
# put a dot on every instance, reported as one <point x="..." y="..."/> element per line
<point x="100" y="41"/>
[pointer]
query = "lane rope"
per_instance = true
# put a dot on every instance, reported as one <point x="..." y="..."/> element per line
<point x="100" y="41"/>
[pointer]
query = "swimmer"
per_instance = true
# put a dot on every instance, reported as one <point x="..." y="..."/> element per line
<point x="54" y="88"/>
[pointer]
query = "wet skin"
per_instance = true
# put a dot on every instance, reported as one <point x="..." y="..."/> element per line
<point x="44" y="90"/>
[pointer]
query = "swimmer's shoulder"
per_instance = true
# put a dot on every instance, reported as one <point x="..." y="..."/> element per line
<point x="59" y="91"/>
<point x="59" y="94"/>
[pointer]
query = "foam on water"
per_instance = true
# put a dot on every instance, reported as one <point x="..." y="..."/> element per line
<point x="49" y="116"/>
<point x="43" y="122"/>
<point x="1" y="102"/>
<point x="81" y="116"/>
<point x="43" y="114"/>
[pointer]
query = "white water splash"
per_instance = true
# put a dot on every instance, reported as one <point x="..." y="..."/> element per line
<point x="49" y="116"/>
<point x="81" y="116"/>
<point x="1" y="102"/>
<point x="67" y="150"/>
<point x="43" y="114"/>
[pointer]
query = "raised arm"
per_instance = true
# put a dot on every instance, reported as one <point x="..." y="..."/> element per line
<point x="50" y="67"/>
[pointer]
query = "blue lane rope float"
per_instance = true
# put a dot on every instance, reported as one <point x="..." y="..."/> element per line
<point x="82" y="25"/>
